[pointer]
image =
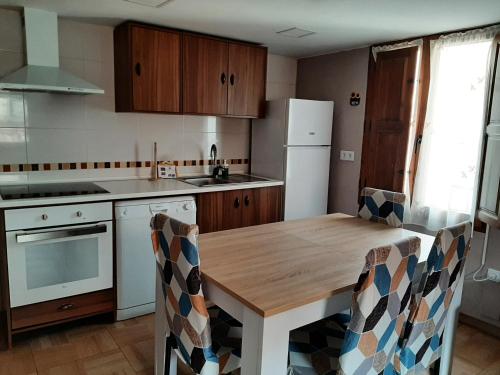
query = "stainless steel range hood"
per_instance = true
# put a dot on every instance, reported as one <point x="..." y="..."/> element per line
<point x="42" y="73"/>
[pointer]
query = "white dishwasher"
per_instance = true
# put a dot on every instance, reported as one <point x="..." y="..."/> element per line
<point x="135" y="262"/>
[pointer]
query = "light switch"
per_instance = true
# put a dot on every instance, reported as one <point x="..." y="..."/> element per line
<point x="346" y="155"/>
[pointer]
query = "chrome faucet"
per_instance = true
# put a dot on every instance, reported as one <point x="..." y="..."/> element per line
<point x="213" y="155"/>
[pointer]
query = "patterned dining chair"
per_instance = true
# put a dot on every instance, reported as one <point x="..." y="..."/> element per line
<point x="382" y="206"/>
<point x="365" y="343"/>
<point x="207" y="340"/>
<point x="428" y="318"/>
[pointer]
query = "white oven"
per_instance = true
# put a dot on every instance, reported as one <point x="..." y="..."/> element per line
<point x="58" y="251"/>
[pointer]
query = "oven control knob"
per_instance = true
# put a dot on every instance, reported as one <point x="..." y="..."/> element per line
<point x="79" y="213"/>
<point x="45" y="216"/>
<point x="186" y="206"/>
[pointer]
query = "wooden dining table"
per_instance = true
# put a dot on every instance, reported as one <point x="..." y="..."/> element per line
<point x="274" y="278"/>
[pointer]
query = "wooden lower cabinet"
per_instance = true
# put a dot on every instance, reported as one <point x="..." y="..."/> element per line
<point x="238" y="208"/>
<point x="60" y="310"/>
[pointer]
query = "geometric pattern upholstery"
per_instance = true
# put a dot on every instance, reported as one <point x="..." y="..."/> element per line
<point x="190" y="326"/>
<point x="382" y="206"/>
<point x="380" y="307"/>
<point x="426" y="325"/>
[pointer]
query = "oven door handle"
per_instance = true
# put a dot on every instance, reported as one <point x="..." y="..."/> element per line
<point x="41" y="236"/>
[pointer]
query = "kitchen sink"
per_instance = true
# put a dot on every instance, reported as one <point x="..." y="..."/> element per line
<point x="231" y="179"/>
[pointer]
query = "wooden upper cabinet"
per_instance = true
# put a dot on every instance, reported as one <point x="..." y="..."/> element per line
<point x="205" y="75"/>
<point x="247" y="80"/>
<point x="169" y="71"/>
<point x="147" y="69"/>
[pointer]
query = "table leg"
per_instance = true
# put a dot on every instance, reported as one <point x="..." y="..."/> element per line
<point x="264" y="346"/>
<point x="450" y="330"/>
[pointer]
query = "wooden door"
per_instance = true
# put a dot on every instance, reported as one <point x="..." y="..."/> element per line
<point x="250" y="208"/>
<point x="262" y="206"/>
<point x="231" y="217"/>
<point x="270" y="204"/>
<point x="489" y="202"/>
<point x="387" y="123"/>
<point x="210" y="211"/>
<point x="144" y="65"/>
<point x="168" y="79"/>
<point x="247" y="80"/>
<point x="205" y="75"/>
<point x="156" y="70"/>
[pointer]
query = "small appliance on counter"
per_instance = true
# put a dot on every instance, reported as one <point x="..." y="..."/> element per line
<point x="221" y="171"/>
<point x="167" y="170"/>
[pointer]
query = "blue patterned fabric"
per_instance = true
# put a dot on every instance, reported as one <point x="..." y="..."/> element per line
<point x="379" y="310"/>
<point x="382" y="206"/>
<point x="208" y="341"/>
<point x="425" y="329"/>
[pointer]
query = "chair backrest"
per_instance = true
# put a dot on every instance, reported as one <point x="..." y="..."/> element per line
<point x="382" y="206"/>
<point x="175" y="246"/>
<point x="428" y="316"/>
<point x="380" y="308"/>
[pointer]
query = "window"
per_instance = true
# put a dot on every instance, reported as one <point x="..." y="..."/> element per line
<point x="449" y="160"/>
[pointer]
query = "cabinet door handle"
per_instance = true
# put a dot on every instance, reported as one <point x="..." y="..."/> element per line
<point x="237" y="203"/>
<point x="223" y="78"/>
<point x="231" y="79"/>
<point x="138" y="69"/>
<point x="65" y="307"/>
<point x="247" y="200"/>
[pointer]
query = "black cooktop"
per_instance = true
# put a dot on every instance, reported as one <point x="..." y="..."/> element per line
<point x="49" y="190"/>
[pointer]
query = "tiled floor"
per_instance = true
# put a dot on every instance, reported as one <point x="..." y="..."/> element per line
<point x="126" y="348"/>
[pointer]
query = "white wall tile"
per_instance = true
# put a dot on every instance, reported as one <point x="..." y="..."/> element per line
<point x="73" y="66"/>
<point x="197" y="145"/>
<point x="10" y="62"/>
<point x="11" y="31"/>
<point x="167" y="131"/>
<point x="71" y="36"/>
<point x="11" y="109"/>
<point x="100" y="75"/>
<point x="56" y="145"/>
<point x="100" y="114"/>
<point x="234" y="146"/>
<point x="51" y="111"/>
<point x="110" y="145"/>
<point x="12" y="146"/>
<point x="14" y="178"/>
<point x="56" y="176"/>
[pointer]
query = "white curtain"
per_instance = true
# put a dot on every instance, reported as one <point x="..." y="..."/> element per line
<point x="447" y="175"/>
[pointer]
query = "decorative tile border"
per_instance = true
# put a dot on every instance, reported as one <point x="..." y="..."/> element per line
<point x="41" y="167"/>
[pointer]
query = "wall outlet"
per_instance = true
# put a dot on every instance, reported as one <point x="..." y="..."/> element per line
<point x="346" y="155"/>
<point x="493" y="275"/>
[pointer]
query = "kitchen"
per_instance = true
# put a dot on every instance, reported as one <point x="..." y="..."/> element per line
<point x="79" y="181"/>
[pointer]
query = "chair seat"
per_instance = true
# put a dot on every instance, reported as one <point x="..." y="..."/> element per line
<point x="226" y="339"/>
<point x="315" y="348"/>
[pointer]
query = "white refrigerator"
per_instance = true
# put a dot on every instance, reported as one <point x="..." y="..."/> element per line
<point x="292" y="143"/>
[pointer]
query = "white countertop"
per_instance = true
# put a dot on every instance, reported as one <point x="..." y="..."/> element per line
<point x="132" y="189"/>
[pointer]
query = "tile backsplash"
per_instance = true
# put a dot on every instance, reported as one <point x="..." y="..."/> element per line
<point x="50" y="137"/>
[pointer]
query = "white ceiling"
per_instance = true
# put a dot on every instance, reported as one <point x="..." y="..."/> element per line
<point x="339" y="24"/>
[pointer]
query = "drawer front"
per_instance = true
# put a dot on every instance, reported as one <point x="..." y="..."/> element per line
<point x="62" y="309"/>
<point x="48" y="216"/>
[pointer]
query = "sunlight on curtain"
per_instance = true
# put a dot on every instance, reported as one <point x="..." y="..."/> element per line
<point x="444" y="191"/>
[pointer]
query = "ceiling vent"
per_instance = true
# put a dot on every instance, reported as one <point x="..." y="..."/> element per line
<point x="295" y="32"/>
<point x="150" y="3"/>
